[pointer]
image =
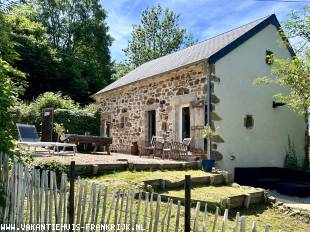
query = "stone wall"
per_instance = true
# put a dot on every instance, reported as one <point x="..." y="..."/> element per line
<point x="126" y="108"/>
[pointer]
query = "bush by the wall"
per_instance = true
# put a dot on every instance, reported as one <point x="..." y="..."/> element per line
<point x="78" y="121"/>
<point x="75" y="119"/>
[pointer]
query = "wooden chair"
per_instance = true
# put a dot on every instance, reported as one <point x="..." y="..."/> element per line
<point x="183" y="151"/>
<point x="167" y="150"/>
<point x="174" y="154"/>
<point x="158" y="149"/>
<point x="148" y="148"/>
<point x="179" y="151"/>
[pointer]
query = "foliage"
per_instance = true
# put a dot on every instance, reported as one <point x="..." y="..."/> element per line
<point x="10" y="78"/>
<point x="297" y="27"/>
<point x="78" y="122"/>
<point x="158" y="34"/>
<point x="77" y="36"/>
<point x="293" y="74"/>
<point x="67" y="114"/>
<point x="36" y="57"/>
<point x="11" y="81"/>
<point x="120" y="70"/>
<point x="59" y="129"/>
<point x="23" y="156"/>
<point x="208" y="132"/>
<point x="291" y="158"/>
<point x="53" y="165"/>
<point x="90" y="108"/>
<point x="54" y="100"/>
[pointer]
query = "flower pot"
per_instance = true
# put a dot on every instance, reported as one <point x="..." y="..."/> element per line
<point x="134" y="149"/>
<point x="207" y="165"/>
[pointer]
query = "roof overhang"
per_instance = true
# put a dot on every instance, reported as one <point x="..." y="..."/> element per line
<point x="270" y="20"/>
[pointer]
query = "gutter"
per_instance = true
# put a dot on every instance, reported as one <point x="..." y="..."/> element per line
<point x="209" y="107"/>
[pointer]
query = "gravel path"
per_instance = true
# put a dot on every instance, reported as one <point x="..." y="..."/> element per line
<point x="293" y="202"/>
<point x="101" y="158"/>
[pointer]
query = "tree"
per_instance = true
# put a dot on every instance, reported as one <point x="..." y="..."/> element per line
<point x="10" y="78"/>
<point x="158" y="34"/>
<point x="36" y="57"/>
<point x="294" y="74"/>
<point x="120" y="70"/>
<point x="78" y="42"/>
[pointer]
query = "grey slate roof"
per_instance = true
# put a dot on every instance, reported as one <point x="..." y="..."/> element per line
<point x="184" y="57"/>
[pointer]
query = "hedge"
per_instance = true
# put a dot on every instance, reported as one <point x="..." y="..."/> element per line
<point x="78" y="122"/>
<point x="74" y="121"/>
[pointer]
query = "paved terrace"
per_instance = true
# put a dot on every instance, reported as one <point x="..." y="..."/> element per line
<point x="92" y="164"/>
<point x="103" y="158"/>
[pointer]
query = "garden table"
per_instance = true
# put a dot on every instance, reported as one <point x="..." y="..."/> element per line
<point x="98" y="141"/>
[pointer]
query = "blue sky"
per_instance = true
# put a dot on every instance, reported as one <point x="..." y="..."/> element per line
<point x="203" y="18"/>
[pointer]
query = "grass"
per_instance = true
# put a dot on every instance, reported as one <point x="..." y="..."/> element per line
<point x="262" y="214"/>
<point x="133" y="180"/>
<point x="211" y="193"/>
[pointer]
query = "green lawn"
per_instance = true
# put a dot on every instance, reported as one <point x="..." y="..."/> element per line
<point x="211" y="193"/>
<point x="262" y="214"/>
<point x="134" y="179"/>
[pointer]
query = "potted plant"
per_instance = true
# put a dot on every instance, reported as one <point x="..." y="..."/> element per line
<point x="59" y="129"/>
<point x="207" y="163"/>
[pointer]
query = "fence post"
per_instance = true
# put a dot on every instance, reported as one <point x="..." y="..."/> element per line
<point x="71" y="195"/>
<point x="187" y="203"/>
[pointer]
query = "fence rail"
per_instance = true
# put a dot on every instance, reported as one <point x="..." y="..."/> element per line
<point x="40" y="197"/>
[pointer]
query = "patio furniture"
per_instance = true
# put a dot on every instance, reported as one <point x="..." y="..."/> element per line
<point x="187" y="141"/>
<point x="179" y="151"/>
<point x="149" y="147"/>
<point x="90" y="139"/>
<point x="158" y="149"/>
<point x="28" y="136"/>
<point x="166" y="150"/>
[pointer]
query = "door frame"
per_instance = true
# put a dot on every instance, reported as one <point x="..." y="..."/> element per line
<point x="181" y="121"/>
<point x="148" y="126"/>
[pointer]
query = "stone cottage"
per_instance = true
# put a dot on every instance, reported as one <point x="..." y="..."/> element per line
<point x="174" y="95"/>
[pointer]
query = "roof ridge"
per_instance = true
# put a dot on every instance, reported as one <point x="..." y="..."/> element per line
<point x="207" y="49"/>
<point x="212" y="37"/>
<point x="202" y="41"/>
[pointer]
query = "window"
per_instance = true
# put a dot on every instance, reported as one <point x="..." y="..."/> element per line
<point x="125" y="120"/>
<point x="269" y="57"/>
<point x="248" y="122"/>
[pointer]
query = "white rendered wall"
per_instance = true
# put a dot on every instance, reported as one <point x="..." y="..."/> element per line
<point x="266" y="143"/>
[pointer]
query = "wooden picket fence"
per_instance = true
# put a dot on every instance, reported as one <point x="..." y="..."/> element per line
<point x="35" y="197"/>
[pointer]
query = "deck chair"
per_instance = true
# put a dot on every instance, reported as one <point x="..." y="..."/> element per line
<point x="28" y="136"/>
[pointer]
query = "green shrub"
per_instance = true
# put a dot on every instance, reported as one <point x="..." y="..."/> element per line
<point x="291" y="158"/>
<point x="53" y="165"/>
<point x="75" y="120"/>
<point x="23" y="156"/>
<point x="78" y="122"/>
<point x="55" y="100"/>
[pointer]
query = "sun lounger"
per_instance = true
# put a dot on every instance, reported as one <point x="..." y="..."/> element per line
<point x="28" y="136"/>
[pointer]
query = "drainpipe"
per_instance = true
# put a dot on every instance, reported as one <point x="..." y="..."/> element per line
<point x="209" y="108"/>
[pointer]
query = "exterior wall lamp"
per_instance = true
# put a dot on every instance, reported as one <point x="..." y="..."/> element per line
<point x="277" y="104"/>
